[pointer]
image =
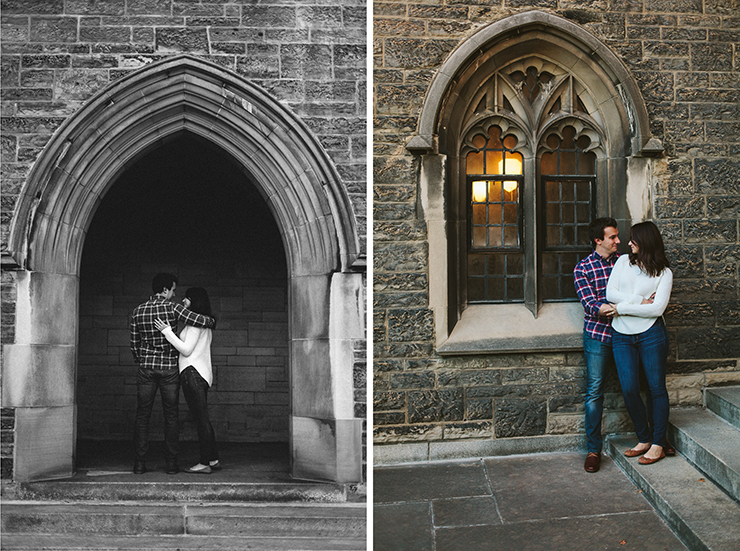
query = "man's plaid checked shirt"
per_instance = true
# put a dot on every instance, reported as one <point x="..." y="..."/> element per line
<point x="590" y="276"/>
<point x="148" y="345"/>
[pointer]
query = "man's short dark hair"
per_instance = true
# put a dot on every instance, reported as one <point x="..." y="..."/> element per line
<point x="597" y="227"/>
<point x="163" y="281"/>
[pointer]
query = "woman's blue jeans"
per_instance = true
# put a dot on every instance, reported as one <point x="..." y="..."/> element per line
<point x="649" y="350"/>
<point x="195" y="389"/>
<point x="599" y="358"/>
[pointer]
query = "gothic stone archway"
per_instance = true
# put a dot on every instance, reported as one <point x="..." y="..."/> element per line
<point x="305" y="195"/>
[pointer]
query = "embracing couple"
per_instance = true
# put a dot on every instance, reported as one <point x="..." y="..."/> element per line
<point x="166" y="362"/>
<point x="624" y="298"/>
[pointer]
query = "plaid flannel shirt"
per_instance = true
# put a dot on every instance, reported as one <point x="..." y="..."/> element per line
<point x="590" y="276"/>
<point x="148" y="345"/>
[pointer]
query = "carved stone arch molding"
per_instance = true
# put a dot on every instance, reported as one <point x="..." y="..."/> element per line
<point x="587" y="87"/>
<point x="300" y="184"/>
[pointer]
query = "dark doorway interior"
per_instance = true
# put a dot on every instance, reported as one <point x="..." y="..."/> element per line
<point x="186" y="208"/>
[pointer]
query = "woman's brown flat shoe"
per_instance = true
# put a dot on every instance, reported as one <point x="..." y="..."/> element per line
<point x="632" y="452"/>
<point x="647" y="461"/>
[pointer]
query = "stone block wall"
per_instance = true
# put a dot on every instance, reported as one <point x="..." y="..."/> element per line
<point x="685" y="58"/>
<point x="309" y="55"/>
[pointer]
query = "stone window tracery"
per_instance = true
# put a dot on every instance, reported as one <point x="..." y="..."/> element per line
<point x="531" y="109"/>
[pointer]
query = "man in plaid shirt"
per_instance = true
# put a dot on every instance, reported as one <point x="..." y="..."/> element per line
<point x="158" y="367"/>
<point x="591" y="275"/>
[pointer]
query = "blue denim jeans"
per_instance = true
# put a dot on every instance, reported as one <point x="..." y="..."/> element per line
<point x="195" y="389"/>
<point x="599" y="359"/>
<point x="649" y="351"/>
<point x="147" y="383"/>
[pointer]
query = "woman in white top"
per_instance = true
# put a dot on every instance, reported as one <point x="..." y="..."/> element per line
<point x="196" y="375"/>
<point x="640" y="288"/>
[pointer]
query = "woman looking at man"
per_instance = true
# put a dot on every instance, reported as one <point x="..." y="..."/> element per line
<point x="639" y="289"/>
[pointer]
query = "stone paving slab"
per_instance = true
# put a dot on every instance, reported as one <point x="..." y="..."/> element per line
<point x="523" y="503"/>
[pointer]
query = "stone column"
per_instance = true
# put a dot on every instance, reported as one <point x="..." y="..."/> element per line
<point x="38" y="374"/>
<point x="326" y="437"/>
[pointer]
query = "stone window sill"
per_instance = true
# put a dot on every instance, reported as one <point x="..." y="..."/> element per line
<point x="505" y="328"/>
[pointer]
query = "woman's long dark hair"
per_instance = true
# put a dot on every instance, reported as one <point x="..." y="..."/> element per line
<point x="199" y="302"/>
<point x="651" y="251"/>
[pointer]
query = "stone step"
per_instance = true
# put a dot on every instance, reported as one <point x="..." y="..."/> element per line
<point x="38" y="542"/>
<point x="699" y="512"/>
<point x="278" y="492"/>
<point x="709" y="443"/>
<point x="255" y="521"/>
<point x="725" y="402"/>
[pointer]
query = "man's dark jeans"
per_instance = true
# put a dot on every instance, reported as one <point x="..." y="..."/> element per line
<point x="195" y="389"/>
<point x="147" y="383"/>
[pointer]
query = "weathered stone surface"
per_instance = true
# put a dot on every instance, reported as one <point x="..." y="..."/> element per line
<point x="386" y="401"/>
<point x="706" y="231"/>
<point x="435" y="405"/>
<point x="395" y="99"/>
<point x="400" y="257"/>
<point x="701" y="343"/>
<point x="182" y="40"/>
<point x="691" y="290"/>
<point x="655" y="86"/>
<point x="679" y="207"/>
<point x="399" y="282"/>
<point x="410" y="325"/>
<point x="415" y="299"/>
<point x="80" y="84"/>
<point x="686" y="261"/>
<point x="413" y="380"/>
<point x="478" y="408"/>
<point x="519" y="418"/>
<point x="723" y="207"/>
<point x="566" y="404"/>
<point x="395" y="211"/>
<point x="467" y="378"/>
<point x="414" y="53"/>
<point x="711" y="57"/>
<point x="53" y="29"/>
<point x="678" y="314"/>
<point x="399" y="231"/>
<point x="407" y="433"/>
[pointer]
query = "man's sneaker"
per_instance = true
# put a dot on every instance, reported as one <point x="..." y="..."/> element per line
<point x="215" y="465"/>
<point x="172" y="468"/>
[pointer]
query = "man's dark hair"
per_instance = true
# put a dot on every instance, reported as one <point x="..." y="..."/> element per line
<point x="650" y="248"/>
<point x="163" y="281"/>
<point x="597" y="227"/>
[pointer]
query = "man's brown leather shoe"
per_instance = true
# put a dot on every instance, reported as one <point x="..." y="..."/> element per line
<point x="593" y="462"/>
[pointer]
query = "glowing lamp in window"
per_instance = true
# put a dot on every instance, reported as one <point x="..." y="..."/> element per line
<point x="479" y="191"/>
<point x="510" y="165"/>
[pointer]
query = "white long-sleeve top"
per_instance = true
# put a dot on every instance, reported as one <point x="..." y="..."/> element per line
<point x="194" y="346"/>
<point x="627" y="286"/>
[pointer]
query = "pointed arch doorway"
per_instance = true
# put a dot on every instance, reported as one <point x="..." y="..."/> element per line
<point x="298" y="183"/>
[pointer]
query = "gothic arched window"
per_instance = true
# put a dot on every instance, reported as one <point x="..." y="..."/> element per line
<point x="529" y="150"/>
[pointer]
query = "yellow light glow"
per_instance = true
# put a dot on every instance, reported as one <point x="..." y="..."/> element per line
<point x="510" y="185"/>
<point x="479" y="191"/>
<point x="513" y="166"/>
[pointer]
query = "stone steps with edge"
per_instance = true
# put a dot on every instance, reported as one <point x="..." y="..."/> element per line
<point x="182" y="491"/>
<point x="39" y="542"/>
<point x="698" y="511"/>
<point x="725" y="402"/>
<point x="709" y="443"/>
<point x="244" y="526"/>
